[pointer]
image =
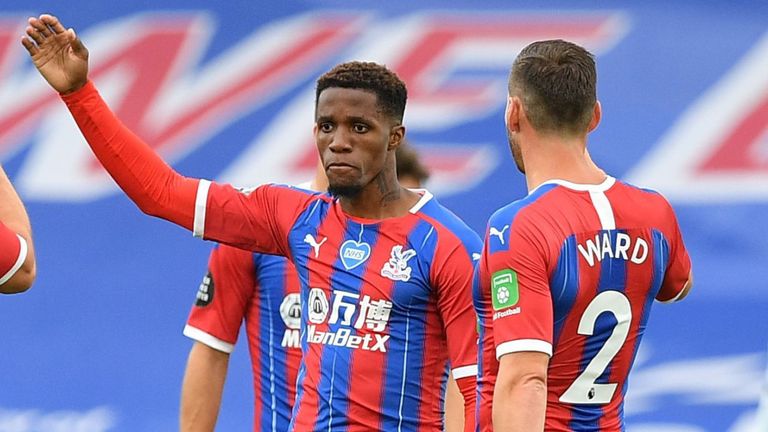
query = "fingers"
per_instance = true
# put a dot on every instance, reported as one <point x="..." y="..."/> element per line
<point x="77" y="44"/>
<point x="35" y="35"/>
<point x="31" y="47"/>
<point x="48" y="26"/>
<point x="43" y="27"/>
<point x="40" y="26"/>
<point x="52" y="22"/>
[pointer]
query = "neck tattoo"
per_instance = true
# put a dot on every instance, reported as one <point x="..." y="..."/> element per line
<point x="390" y="190"/>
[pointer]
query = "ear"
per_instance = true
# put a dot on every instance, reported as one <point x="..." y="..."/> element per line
<point x="597" y="114"/>
<point x="512" y="113"/>
<point x="396" y="135"/>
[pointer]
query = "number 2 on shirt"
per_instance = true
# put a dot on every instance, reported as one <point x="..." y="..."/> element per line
<point x="584" y="389"/>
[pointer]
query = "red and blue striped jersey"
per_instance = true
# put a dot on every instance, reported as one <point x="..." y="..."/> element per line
<point x="572" y="271"/>
<point x="386" y="304"/>
<point x="263" y="291"/>
<point x="13" y="252"/>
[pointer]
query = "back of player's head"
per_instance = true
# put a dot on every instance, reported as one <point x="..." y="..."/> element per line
<point x="409" y="166"/>
<point x="390" y="90"/>
<point x="556" y="81"/>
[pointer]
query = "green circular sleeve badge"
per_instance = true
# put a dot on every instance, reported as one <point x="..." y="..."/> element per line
<point x="504" y="291"/>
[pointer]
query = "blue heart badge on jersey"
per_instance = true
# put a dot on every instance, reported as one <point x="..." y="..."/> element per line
<point x="354" y="253"/>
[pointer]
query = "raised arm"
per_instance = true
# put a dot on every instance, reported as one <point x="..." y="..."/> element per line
<point x="17" y="257"/>
<point x="216" y="212"/>
<point x="62" y="59"/>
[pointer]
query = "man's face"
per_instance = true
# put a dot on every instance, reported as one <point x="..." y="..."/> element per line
<point x="352" y="137"/>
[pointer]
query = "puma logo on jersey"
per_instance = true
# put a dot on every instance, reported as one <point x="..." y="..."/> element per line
<point x="500" y="234"/>
<point x="310" y="240"/>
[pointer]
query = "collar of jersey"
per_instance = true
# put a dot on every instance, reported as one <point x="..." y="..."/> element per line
<point x="426" y="196"/>
<point x="601" y="187"/>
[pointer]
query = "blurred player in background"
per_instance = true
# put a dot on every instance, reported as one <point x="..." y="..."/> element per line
<point x="263" y="291"/>
<point x="568" y="273"/>
<point x="385" y="271"/>
<point x="17" y="257"/>
<point x="411" y="173"/>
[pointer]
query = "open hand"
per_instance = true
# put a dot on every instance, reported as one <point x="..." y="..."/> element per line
<point x="57" y="53"/>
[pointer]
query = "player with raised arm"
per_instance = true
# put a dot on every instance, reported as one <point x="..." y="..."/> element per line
<point x="385" y="271"/>
<point x="263" y="291"/>
<point x="17" y="257"/>
<point x="568" y="273"/>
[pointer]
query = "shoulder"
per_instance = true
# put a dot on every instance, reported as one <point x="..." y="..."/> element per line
<point x="645" y="200"/>
<point x="290" y="200"/>
<point x="519" y="223"/>
<point x="521" y="210"/>
<point x="448" y="224"/>
<point x="300" y="191"/>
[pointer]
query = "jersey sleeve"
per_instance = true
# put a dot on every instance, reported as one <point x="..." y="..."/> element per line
<point x="258" y="220"/>
<point x="144" y="177"/>
<point x="518" y="277"/>
<point x="454" y="301"/>
<point x="679" y="267"/>
<point x="217" y="212"/>
<point x="223" y="298"/>
<point x="13" y="252"/>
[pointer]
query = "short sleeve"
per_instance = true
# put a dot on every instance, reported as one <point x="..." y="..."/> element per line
<point x="223" y="298"/>
<point x="679" y="267"/>
<point x="13" y="252"/>
<point x="453" y="273"/>
<point x="518" y="278"/>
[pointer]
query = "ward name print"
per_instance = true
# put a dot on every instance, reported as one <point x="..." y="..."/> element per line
<point x="613" y="244"/>
<point x="350" y="312"/>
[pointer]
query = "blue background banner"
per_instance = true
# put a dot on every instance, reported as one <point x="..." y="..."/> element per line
<point x="226" y="92"/>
